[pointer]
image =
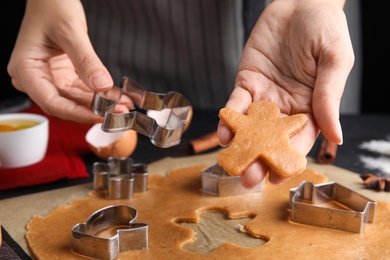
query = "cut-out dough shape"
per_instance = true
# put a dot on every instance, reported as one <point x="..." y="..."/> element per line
<point x="262" y="134"/>
<point x="215" y="228"/>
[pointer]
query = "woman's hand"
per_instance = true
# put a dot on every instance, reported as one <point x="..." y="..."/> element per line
<point x="299" y="56"/>
<point x="54" y="62"/>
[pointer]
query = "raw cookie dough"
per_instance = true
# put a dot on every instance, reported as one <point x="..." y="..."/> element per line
<point x="177" y="197"/>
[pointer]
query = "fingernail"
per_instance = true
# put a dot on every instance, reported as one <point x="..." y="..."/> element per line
<point x="101" y="80"/>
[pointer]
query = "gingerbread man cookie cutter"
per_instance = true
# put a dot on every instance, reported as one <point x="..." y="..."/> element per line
<point x="312" y="205"/>
<point x="165" y="133"/>
<point x="120" y="177"/>
<point x="88" y="239"/>
<point x="216" y="181"/>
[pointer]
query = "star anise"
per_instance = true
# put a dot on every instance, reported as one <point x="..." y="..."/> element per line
<point x="375" y="182"/>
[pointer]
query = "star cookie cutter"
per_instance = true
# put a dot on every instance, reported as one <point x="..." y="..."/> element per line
<point x="90" y="238"/>
<point x="120" y="177"/>
<point x="175" y="108"/>
<point x="331" y="205"/>
<point x="216" y="181"/>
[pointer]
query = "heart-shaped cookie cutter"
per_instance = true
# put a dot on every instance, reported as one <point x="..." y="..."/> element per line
<point x="313" y="205"/>
<point x="165" y="135"/>
<point x="119" y="178"/>
<point x="88" y="241"/>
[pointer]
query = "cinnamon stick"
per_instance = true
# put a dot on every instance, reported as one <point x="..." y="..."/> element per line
<point x="204" y="143"/>
<point x="328" y="152"/>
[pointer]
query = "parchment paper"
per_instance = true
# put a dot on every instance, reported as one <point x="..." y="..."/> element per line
<point x="15" y="213"/>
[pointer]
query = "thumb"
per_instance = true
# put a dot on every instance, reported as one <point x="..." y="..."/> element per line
<point x="326" y="106"/>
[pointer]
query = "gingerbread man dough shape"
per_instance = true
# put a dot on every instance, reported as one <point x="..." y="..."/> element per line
<point x="264" y="135"/>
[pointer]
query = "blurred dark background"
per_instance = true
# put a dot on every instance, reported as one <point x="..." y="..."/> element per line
<point x="11" y="17"/>
<point x="374" y="55"/>
<point x="375" y="58"/>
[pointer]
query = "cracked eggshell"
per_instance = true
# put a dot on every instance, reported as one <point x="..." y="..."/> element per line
<point x="105" y="145"/>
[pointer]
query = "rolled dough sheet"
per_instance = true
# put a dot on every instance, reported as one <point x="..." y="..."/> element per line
<point x="17" y="212"/>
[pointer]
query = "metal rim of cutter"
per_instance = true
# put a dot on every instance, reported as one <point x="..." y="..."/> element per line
<point x="216" y="181"/>
<point x="306" y="208"/>
<point x="86" y="240"/>
<point x="120" y="177"/>
<point x="164" y="136"/>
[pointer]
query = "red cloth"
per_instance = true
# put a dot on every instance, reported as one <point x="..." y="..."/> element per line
<point x="63" y="159"/>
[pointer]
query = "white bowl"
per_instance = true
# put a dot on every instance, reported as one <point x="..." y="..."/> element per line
<point x="23" y="147"/>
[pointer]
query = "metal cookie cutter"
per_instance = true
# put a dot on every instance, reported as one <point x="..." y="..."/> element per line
<point x="120" y="178"/>
<point x="217" y="181"/>
<point x="93" y="239"/>
<point x="171" y="128"/>
<point x="331" y="205"/>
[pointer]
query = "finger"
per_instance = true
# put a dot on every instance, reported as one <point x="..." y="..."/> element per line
<point x="254" y="174"/>
<point x="275" y="179"/>
<point x="53" y="104"/>
<point x="304" y="140"/>
<point x="334" y="65"/>
<point x="69" y="110"/>
<point x="127" y="102"/>
<point x="225" y="135"/>
<point x="83" y="98"/>
<point x="327" y="95"/>
<point x="239" y="101"/>
<point x="63" y="72"/>
<point x="79" y="84"/>
<point x="77" y="95"/>
<point x="88" y="65"/>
